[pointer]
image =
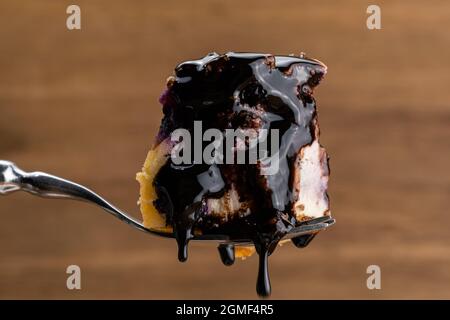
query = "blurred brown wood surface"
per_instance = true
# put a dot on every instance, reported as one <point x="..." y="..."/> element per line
<point x="83" y="105"/>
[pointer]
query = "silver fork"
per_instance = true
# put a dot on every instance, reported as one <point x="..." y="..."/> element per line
<point x="45" y="185"/>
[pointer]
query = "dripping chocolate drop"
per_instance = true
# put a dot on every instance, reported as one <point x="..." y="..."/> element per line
<point x="226" y="252"/>
<point x="182" y="250"/>
<point x="303" y="241"/>
<point x="263" y="287"/>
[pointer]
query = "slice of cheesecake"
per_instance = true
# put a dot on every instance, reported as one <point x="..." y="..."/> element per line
<point x="257" y="201"/>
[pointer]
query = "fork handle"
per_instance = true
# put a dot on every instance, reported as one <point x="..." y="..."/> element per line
<point x="10" y="177"/>
<point x="42" y="184"/>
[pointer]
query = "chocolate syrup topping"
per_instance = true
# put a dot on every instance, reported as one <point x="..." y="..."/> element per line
<point x="230" y="91"/>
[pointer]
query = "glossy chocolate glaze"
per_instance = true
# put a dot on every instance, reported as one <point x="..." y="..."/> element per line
<point x="238" y="90"/>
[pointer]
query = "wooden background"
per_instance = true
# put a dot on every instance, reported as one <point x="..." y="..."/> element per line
<point x="83" y="105"/>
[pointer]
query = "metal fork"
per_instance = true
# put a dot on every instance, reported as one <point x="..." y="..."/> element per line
<point x="45" y="185"/>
